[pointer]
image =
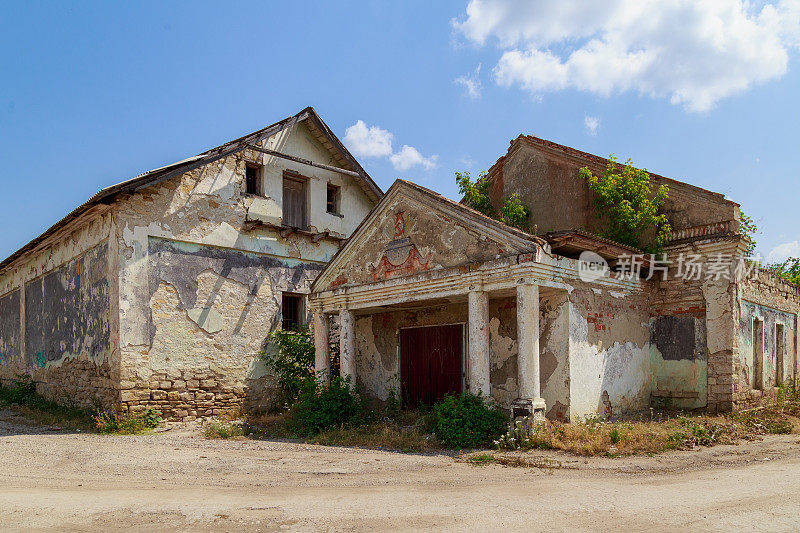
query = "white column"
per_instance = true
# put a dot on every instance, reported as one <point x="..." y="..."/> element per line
<point x="479" y="354"/>
<point x="347" y="345"/>
<point x="528" y="340"/>
<point x="322" y="352"/>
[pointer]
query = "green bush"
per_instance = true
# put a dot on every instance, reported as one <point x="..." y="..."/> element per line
<point x="320" y="407"/>
<point x="291" y="356"/>
<point x="22" y="391"/>
<point x="125" y="423"/>
<point x="466" y="421"/>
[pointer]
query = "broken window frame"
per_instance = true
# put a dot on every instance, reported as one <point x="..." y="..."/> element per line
<point x="333" y="205"/>
<point x="289" y="219"/>
<point x="256" y="186"/>
<point x="290" y="323"/>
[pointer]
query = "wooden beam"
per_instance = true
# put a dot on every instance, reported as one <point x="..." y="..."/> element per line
<point x="303" y="161"/>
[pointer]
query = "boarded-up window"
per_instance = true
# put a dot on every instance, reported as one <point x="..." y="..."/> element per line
<point x="291" y="311"/>
<point x="253" y="179"/>
<point x="294" y="202"/>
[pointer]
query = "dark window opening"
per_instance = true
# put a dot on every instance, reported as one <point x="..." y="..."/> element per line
<point x="253" y="179"/>
<point x="291" y="311"/>
<point x="294" y="202"/>
<point x="758" y="354"/>
<point x="780" y="349"/>
<point x="333" y="199"/>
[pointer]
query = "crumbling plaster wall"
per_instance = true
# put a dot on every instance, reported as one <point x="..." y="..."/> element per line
<point x="678" y="362"/>
<point x="712" y="298"/>
<point x="200" y="292"/>
<point x="409" y="238"/>
<point x="609" y="352"/>
<point x="378" y="345"/>
<point x="57" y="323"/>
<point x="774" y="301"/>
<point x="770" y="318"/>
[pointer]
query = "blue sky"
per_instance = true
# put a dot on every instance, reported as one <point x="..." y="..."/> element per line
<point x="95" y="93"/>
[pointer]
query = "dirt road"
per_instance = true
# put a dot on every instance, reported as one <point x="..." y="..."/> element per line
<point x="177" y="480"/>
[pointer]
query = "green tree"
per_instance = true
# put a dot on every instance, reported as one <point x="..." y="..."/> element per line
<point x="628" y="206"/>
<point x="788" y="270"/>
<point x="476" y="195"/>
<point x="748" y="229"/>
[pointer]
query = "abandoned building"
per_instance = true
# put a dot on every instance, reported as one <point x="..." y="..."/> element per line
<point x="434" y="298"/>
<point x="160" y="292"/>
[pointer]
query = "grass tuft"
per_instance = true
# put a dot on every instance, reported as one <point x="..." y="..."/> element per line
<point x="222" y="429"/>
<point x="481" y="458"/>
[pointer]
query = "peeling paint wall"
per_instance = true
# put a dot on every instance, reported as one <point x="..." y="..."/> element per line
<point x="554" y="356"/>
<point x="770" y="318"/>
<point x="774" y="301"/>
<point x="56" y="322"/>
<point x="407" y="239"/>
<point x="713" y="301"/>
<point x="378" y="345"/>
<point x="593" y="345"/>
<point x="10" y="338"/>
<point x="609" y="353"/>
<point x="66" y="311"/>
<point x="200" y="285"/>
<point x="678" y="362"/>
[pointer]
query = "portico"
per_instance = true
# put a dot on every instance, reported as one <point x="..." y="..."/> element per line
<point x="433" y="298"/>
<point x="473" y="294"/>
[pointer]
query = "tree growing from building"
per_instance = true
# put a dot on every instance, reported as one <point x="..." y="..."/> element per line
<point x="748" y="229"/>
<point x="629" y="206"/>
<point x="476" y="195"/>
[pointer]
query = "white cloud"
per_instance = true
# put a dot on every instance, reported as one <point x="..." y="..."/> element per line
<point x="408" y="156"/>
<point x="366" y="141"/>
<point x="591" y="124"/>
<point x="693" y="52"/>
<point x="471" y="83"/>
<point x="783" y="251"/>
<point x="373" y="141"/>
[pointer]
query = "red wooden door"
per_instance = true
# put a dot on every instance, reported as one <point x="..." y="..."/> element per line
<point x="430" y="363"/>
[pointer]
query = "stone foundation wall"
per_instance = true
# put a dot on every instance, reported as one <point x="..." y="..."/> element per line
<point x="186" y="395"/>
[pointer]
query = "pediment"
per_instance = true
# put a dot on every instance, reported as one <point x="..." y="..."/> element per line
<point x="413" y="230"/>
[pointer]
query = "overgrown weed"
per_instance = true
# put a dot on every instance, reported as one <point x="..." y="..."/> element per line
<point x="22" y="396"/>
<point x="223" y="429"/>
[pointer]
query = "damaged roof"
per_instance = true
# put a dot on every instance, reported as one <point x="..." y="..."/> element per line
<point x="600" y="162"/>
<point x="152" y="177"/>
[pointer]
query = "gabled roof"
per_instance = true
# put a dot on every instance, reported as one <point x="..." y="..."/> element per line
<point x="513" y="239"/>
<point x="158" y="175"/>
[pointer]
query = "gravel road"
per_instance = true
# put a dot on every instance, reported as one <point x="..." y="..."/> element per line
<point x="53" y="479"/>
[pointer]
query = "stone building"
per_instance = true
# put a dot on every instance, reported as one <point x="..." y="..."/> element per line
<point x="434" y="298"/>
<point x="160" y="291"/>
